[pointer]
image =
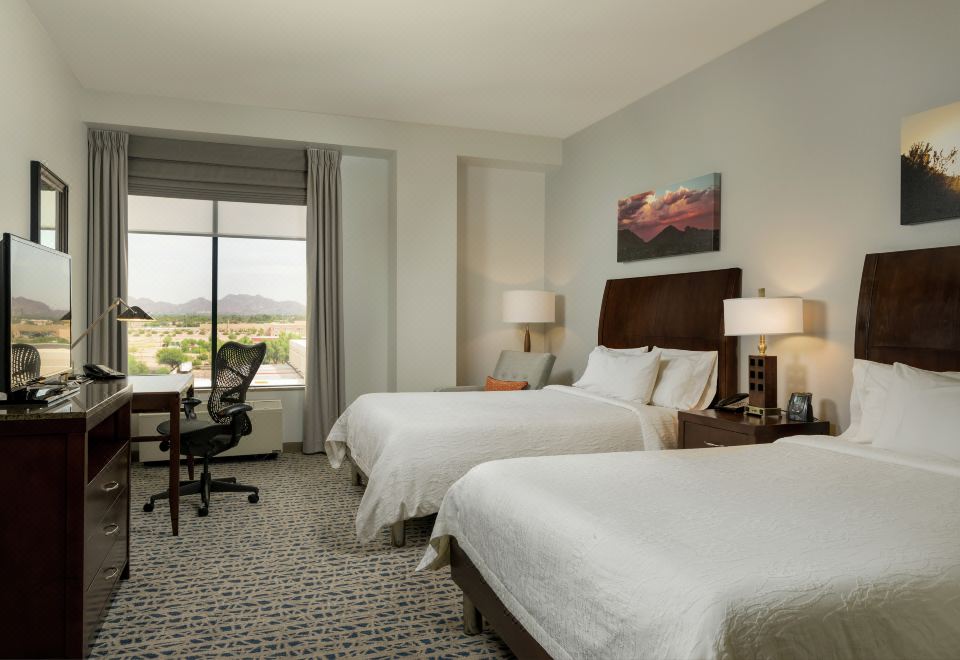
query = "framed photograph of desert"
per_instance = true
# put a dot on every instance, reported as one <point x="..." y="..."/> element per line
<point x="680" y="219"/>
<point x="930" y="165"/>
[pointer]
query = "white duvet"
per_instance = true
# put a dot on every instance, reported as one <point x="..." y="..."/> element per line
<point x="808" y="548"/>
<point x="414" y="446"/>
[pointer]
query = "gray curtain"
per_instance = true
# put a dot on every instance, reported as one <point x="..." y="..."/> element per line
<point x="323" y="398"/>
<point x="106" y="244"/>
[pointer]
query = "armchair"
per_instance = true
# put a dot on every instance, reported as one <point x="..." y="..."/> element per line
<point x="534" y="368"/>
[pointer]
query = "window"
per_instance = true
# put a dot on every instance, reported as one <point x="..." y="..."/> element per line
<point x="250" y="258"/>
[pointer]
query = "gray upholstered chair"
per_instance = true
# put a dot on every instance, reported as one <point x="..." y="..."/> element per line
<point x="534" y="368"/>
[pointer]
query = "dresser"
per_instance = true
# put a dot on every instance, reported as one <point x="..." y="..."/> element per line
<point x="64" y="519"/>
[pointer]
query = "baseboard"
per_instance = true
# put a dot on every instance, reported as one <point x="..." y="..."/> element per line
<point x="292" y="447"/>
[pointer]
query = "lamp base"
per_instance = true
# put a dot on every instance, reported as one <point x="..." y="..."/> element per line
<point x="762" y="384"/>
<point x="526" y="339"/>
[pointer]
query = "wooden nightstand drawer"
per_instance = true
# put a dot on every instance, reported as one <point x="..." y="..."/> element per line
<point x="696" y="436"/>
<point x="716" y="428"/>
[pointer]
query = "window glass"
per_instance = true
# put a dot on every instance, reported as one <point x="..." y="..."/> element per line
<point x="175" y="216"/>
<point x="244" y="219"/>
<point x="262" y="287"/>
<point x="171" y="278"/>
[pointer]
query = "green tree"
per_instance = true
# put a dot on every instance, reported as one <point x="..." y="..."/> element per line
<point x="172" y="357"/>
<point x="136" y="367"/>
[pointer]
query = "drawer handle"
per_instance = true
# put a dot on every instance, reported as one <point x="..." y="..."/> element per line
<point x="111" y="529"/>
<point x="713" y="444"/>
<point x="110" y="485"/>
<point x="111" y="573"/>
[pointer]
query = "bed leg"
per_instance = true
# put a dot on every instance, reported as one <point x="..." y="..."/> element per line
<point x="355" y="477"/>
<point x="472" y="619"/>
<point x="397" y="535"/>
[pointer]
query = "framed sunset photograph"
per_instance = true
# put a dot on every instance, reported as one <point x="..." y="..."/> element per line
<point x="679" y="219"/>
<point x="930" y="166"/>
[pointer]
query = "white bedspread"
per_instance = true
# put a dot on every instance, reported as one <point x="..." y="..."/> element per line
<point x="808" y="548"/>
<point x="414" y="446"/>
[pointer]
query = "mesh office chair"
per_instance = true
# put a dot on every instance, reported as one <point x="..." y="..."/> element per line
<point x="24" y="364"/>
<point x="236" y="365"/>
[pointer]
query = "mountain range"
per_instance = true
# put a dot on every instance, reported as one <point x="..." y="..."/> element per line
<point x="239" y="304"/>
<point x="669" y="242"/>
<point x="27" y="308"/>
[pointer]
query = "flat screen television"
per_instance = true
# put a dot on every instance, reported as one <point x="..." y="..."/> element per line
<point x="35" y="329"/>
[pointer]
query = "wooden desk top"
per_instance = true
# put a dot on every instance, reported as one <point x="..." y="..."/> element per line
<point x="91" y="401"/>
<point x="160" y="384"/>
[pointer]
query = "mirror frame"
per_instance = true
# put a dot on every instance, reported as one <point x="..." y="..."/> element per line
<point x="41" y="174"/>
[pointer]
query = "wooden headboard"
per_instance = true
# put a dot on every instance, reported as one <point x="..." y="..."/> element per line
<point x="909" y="308"/>
<point x="683" y="310"/>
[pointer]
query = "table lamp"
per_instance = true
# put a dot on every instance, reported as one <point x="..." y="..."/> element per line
<point x="762" y="316"/>
<point x="528" y="307"/>
<point x="126" y="314"/>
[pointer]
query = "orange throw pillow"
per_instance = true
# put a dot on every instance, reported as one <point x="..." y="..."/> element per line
<point x="494" y="385"/>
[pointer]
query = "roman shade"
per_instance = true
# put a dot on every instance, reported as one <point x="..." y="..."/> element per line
<point x="188" y="169"/>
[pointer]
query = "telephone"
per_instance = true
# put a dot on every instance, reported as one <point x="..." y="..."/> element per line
<point x="101" y="371"/>
<point x="733" y="403"/>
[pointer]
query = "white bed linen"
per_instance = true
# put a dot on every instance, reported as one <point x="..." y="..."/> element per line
<point x="414" y="446"/>
<point x="810" y="547"/>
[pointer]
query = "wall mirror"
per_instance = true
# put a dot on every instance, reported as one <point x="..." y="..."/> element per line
<point x="48" y="207"/>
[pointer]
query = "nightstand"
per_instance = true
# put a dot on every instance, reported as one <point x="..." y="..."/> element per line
<point x="718" y="428"/>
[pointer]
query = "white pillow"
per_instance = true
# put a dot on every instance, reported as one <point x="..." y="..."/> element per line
<point x="685" y="379"/>
<point x="627" y="377"/>
<point x="922" y="414"/>
<point x="624" y="351"/>
<point x="869" y="398"/>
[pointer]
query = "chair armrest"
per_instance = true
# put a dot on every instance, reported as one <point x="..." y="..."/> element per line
<point x="234" y="412"/>
<point x="188" y="404"/>
<point x="461" y="388"/>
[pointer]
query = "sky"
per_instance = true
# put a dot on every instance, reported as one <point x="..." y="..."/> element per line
<point x="939" y="126"/>
<point x="688" y="204"/>
<point x="176" y="269"/>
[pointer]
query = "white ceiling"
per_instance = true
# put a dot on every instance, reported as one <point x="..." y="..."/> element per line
<point x="542" y="67"/>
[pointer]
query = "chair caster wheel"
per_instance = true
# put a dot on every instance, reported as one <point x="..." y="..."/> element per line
<point x="148" y="507"/>
<point x="253" y="498"/>
<point x="203" y="511"/>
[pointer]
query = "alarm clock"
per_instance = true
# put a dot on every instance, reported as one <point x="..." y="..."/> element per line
<point x="800" y="407"/>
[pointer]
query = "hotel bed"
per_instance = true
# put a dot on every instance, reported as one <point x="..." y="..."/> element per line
<point x="810" y="547"/>
<point x="413" y="446"/>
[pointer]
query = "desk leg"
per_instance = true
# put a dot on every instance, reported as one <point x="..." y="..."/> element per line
<point x="175" y="465"/>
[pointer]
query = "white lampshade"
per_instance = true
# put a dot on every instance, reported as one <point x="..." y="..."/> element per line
<point x="529" y="307"/>
<point x="762" y="316"/>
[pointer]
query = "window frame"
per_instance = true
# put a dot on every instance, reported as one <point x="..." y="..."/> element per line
<point x="214" y="235"/>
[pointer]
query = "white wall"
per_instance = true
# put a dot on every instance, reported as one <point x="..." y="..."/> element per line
<point x="367" y="276"/>
<point x="501" y="244"/>
<point x="40" y="120"/>
<point x="425" y="192"/>
<point x="804" y="125"/>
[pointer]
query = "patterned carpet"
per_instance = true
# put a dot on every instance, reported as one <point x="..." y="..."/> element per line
<point x="285" y="577"/>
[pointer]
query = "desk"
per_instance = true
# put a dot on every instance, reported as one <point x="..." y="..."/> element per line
<point x="163" y="394"/>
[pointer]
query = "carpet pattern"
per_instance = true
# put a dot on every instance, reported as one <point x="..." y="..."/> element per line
<point x="284" y="577"/>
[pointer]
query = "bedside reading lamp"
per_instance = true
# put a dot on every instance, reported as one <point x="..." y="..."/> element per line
<point x="127" y="314"/>
<point x="528" y="307"/>
<point x="762" y="316"/>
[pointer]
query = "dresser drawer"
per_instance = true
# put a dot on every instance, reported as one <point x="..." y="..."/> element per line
<point x="109" y="530"/>
<point x="97" y="595"/>
<point x="696" y="436"/>
<point x="104" y="489"/>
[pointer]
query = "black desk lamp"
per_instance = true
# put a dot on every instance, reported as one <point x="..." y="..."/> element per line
<point x="126" y="314"/>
